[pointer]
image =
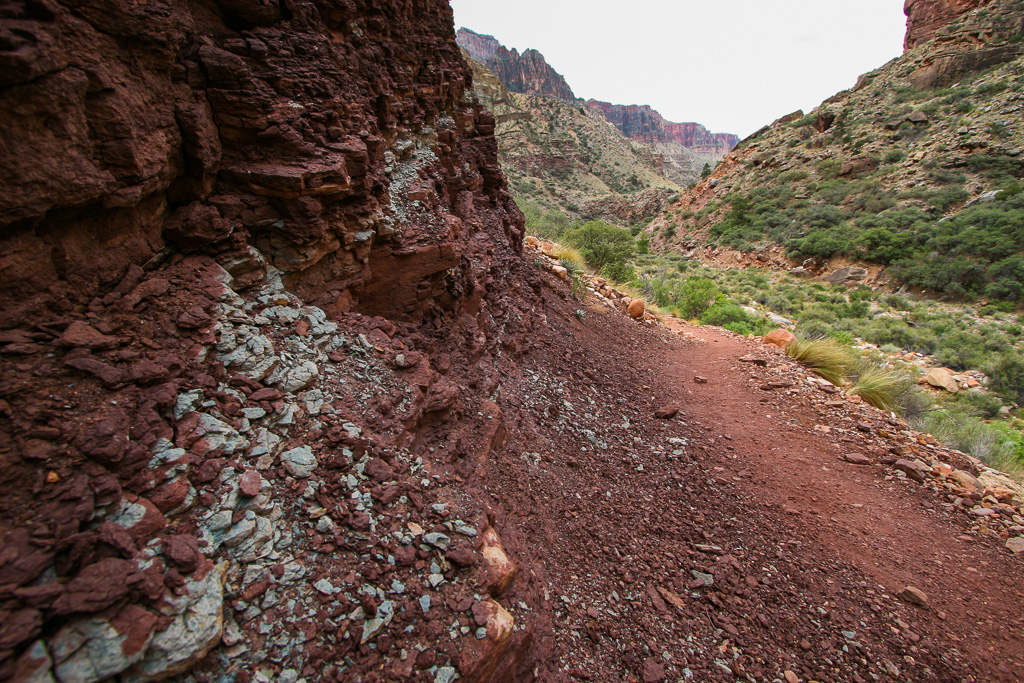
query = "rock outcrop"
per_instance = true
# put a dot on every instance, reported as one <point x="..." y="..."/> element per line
<point x="206" y="419"/>
<point x="642" y="123"/>
<point x="966" y="36"/>
<point x="527" y="73"/>
<point x="927" y="18"/>
<point x="129" y="133"/>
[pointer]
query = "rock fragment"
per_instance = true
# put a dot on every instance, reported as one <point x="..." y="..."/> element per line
<point x="299" y="462"/>
<point x="914" y="596"/>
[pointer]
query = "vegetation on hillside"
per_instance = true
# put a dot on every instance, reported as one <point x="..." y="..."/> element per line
<point x="831" y="320"/>
<point x="926" y="182"/>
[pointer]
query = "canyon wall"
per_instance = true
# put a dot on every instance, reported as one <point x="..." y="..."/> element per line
<point x="527" y="73"/>
<point x="642" y="123"/>
<point x="259" y="270"/>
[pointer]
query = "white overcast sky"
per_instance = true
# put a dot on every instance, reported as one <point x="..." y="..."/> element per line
<point x="732" y="65"/>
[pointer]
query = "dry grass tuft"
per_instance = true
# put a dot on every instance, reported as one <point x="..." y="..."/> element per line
<point x="563" y="253"/>
<point x="824" y="357"/>
<point x="879" y="386"/>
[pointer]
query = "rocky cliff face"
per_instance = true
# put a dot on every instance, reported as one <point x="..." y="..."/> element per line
<point x="480" y="47"/>
<point x="962" y="37"/>
<point x="252" y="257"/>
<point x="927" y="18"/>
<point x="641" y="122"/>
<point x="527" y="73"/>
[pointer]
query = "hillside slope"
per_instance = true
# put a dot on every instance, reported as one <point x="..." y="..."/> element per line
<point x="917" y="168"/>
<point x="559" y="155"/>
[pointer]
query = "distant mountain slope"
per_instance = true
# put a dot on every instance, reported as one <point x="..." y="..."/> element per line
<point x="563" y="155"/>
<point x="640" y="122"/>
<point x="587" y="158"/>
<point x="686" y="147"/>
<point x="527" y="73"/>
<point x="917" y="169"/>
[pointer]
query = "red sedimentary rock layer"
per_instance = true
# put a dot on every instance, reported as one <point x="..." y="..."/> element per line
<point x="641" y="122"/>
<point x="925" y="18"/>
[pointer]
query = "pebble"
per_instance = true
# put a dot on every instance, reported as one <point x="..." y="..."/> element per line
<point x="915" y="596"/>
<point x="299" y="462"/>
<point x="437" y="540"/>
<point x="445" y="674"/>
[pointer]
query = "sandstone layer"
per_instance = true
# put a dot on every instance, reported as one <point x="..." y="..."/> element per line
<point x="527" y="73"/>
<point x="926" y="18"/>
<point x="641" y="122"/>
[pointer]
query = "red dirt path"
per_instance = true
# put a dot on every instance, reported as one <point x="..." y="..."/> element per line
<point x="807" y="551"/>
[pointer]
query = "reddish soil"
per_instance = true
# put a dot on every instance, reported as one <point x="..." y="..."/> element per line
<point x="807" y="551"/>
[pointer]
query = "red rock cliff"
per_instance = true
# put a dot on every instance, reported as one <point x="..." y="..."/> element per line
<point x="527" y="73"/>
<point x="234" y="237"/>
<point x="480" y="47"/>
<point x="925" y="18"/>
<point x="129" y="131"/>
<point x="641" y="122"/>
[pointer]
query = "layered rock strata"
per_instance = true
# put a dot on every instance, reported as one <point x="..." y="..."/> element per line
<point x="254" y="287"/>
<point x="642" y="123"/>
<point x="527" y="73"/>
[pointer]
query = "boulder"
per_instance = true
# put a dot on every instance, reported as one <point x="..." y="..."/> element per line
<point x="499" y="571"/>
<point x="915" y="469"/>
<point x="482" y="656"/>
<point x="915" y="596"/>
<point x="943" y="379"/>
<point x="966" y="481"/>
<point x="858" y="167"/>
<point x="780" y="338"/>
<point x="844" y="275"/>
<point x="636" y="309"/>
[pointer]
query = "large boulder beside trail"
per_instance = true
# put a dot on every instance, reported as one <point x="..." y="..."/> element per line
<point x="780" y="338"/>
<point x="943" y="379"/>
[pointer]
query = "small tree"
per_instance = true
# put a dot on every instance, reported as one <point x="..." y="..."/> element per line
<point x="706" y="171"/>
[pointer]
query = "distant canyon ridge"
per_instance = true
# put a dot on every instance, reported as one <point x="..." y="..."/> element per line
<point x="559" y="150"/>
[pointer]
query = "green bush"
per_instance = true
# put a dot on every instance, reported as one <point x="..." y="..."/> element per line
<point x="1006" y="371"/>
<point x="696" y="296"/>
<point x="605" y="247"/>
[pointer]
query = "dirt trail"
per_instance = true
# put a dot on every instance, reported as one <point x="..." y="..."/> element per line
<point x="731" y="542"/>
<point x="887" y="528"/>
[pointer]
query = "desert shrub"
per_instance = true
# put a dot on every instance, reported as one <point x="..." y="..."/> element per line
<point x="947" y="197"/>
<point x="823" y="242"/>
<point x="979" y="403"/>
<point x="1006" y="370"/>
<point x="696" y="296"/>
<point x="605" y="247"/>
<point x="724" y="312"/>
<point x="968" y="434"/>
<point x="792" y="176"/>
<point x="542" y="222"/>
<point x="883" y="245"/>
